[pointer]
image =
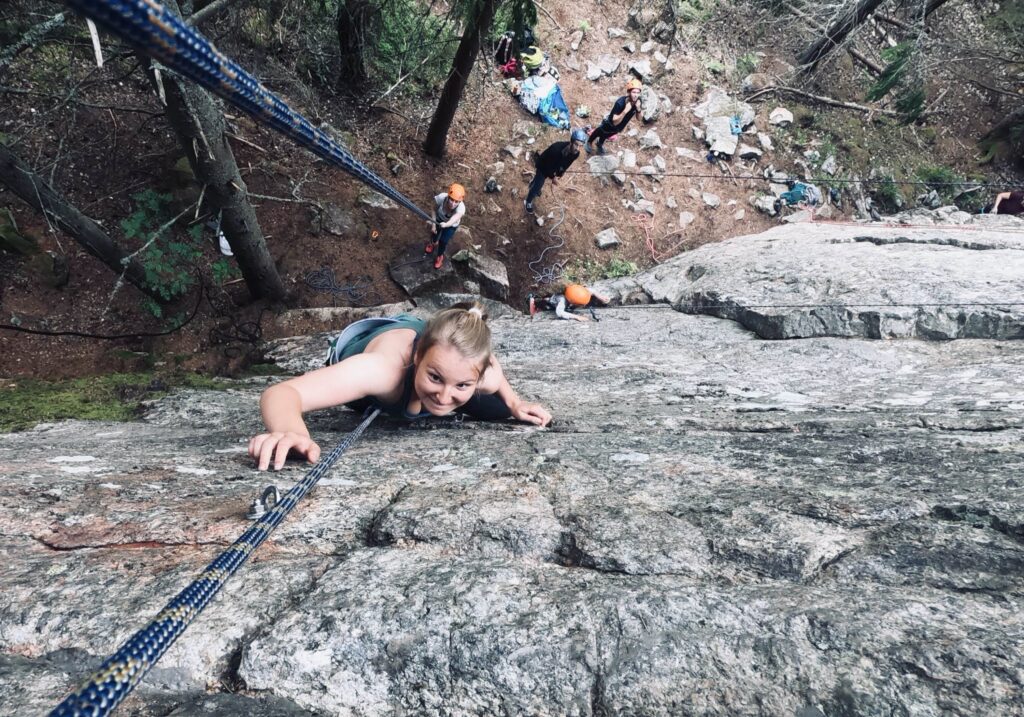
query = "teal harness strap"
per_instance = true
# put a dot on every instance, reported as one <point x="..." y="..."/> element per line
<point x="121" y="672"/>
<point x="153" y="30"/>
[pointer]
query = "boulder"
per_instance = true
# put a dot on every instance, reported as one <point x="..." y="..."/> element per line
<point x="671" y="203"/>
<point x="490" y="274"/>
<point x="745" y="151"/>
<point x="765" y="141"/>
<point x="718" y="103"/>
<point x="337" y="220"/>
<point x="414" y="272"/>
<point x="659" y="163"/>
<point x="608" y="63"/>
<point x="650" y="105"/>
<point x="697" y="132"/>
<point x="628" y="159"/>
<point x="615" y="32"/>
<point x="630" y="47"/>
<point x="755" y="82"/>
<point x="594" y="72"/>
<point x="644" y="205"/>
<point x="513" y="151"/>
<point x="719" y="136"/>
<point x="650" y="140"/>
<point x="641" y="69"/>
<point x="830" y="166"/>
<point x="603" y="164"/>
<point x="659" y="56"/>
<point x="619" y="177"/>
<point x="576" y="40"/>
<point x="607" y="239"/>
<point x="764" y="204"/>
<point x="712" y="200"/>
<point x="647" y="46"/>
<point x="780" y="117"/>
<point x="686" y="219"/>
<point x="689" y="154"/>
<point x="375" y="199"/>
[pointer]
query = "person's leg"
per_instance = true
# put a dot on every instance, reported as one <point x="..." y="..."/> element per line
<point x="598" y="135"/>
<point x="535" y="188"/>
<point x="443" y="237"/>
<point x="486" y="407"/>
<point x="432" y="242"/>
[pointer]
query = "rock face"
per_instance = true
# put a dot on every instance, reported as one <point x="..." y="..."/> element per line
<point x="715" y="524"/>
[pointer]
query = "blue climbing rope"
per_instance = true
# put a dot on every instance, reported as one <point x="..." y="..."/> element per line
<point x="119" y="675"/>
<point x="155" y="31"/>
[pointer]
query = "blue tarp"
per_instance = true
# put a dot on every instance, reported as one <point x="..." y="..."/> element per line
<point x="540" y="95"/>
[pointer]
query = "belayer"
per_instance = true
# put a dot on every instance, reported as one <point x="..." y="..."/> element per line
<point x="574" y="296"/>
<point x="552" y="163"/>
<point x="622" y="112"/>
<point x="407" y="367"/>
<point x="447" y="217"/>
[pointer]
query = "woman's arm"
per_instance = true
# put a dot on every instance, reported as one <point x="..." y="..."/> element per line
<point x="282" y="405"/>
<point x="999" y="199"/>
<point x="494" y="381"/>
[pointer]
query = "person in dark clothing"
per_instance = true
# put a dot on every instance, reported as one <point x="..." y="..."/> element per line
<point x="622" y="112"/>
<point x="552" y="163"/>
<point x="1009" y="203"/>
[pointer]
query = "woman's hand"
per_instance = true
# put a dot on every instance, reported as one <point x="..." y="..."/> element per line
<point x="531" y="413"/>
<point x="277" y="445"/>
<point x="433" y="227"/>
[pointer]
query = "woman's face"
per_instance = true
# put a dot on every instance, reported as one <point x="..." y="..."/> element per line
<point x="445" y="379"/>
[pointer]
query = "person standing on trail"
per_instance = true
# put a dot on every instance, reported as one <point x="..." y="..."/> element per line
<point x="1009" y="203"/>
<point x="552" y="163"/>
<point x="574" y="296"/>
<point x="450" y="210"/>
<point x="622" y="112"/>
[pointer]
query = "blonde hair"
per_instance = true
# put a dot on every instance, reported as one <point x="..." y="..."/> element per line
<point x="462" y="326"/>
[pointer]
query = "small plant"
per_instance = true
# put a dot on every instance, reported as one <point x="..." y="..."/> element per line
<point x="167" y="256"/>
<point x="584" y="271"/>
<point x="583" y="26"/>
<point x="746" y="64"/>
<point x="887" y="196"/>
<point x="616" y="268"/>
<point x="951" y="187"/>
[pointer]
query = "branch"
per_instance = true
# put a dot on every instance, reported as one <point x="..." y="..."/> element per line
<point x="550" y="17"/>
<point x="823" y="100"/>
<point x="209" y="11"/>
<point x="65" y="100"/>
<point x="30" y="39"/>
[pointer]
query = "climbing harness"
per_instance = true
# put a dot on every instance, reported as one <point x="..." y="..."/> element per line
<point x="121" y="672"/>
<point x="154" y="30"/>
<point x="549" y="274"/>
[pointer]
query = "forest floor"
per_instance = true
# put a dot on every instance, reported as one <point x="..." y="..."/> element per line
<point x="105" y="155"/>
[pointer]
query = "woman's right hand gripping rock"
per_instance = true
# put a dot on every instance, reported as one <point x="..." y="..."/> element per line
<point x="277" y="445"/>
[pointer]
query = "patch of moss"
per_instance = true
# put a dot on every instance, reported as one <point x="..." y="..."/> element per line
<point x="264" y="369"/>
<point x="116" y="397"/>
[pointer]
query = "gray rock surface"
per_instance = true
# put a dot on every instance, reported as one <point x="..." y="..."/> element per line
<point x="719" y="103"/>
<point x="375" y="199"/>
<point x="715" y="524"/>
<point x="650" y="140"/>
<point x="607" y="238"/>
<point x="489" y="273"/>
<point x="780" y="117"/>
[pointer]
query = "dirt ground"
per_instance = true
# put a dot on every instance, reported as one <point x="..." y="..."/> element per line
<point x="104" y="156"/>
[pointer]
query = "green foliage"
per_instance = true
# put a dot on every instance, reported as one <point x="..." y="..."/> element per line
<point x="584" y="271"/>
<point x="746" y="64"/>
<point x="223" y="270"/>
<point x="952" y="187"/>
<point x="167" y="256"/>
<point x="899" y="76"/>
<point x="115" y="397"/>
<point x="887" y="196"/>
<point x="408" y="34"/>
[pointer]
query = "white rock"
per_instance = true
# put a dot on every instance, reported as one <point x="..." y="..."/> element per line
<point x="647" y="46"/>
<point x="686" y="219"/>
<point x="659" y="162"/>
<point x="765" y="141"/>
<point x="607" y="238"/>
<point x="628" y="159"/>
<point x="651" y="140"/>
<point x="780" y="117"/>
<point x="615" y="32"/>
<point x="710" y="199"/>
<point x="671" y="203"/>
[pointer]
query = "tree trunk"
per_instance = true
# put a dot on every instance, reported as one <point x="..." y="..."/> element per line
<point x="465" y="56"/>
<point x="835" y="34"/>
<point x="39" y="195"/>
<point x="199" y="126"/>
<point x="357" y="20"/>
<point x="931" y="7"/>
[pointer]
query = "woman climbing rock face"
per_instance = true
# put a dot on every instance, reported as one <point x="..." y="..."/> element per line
<point x="405" y="366"/>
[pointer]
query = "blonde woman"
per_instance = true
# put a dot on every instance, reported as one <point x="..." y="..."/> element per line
<point x="405" y="366"/>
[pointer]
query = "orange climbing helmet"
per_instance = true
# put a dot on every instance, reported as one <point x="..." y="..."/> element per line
<point x="577" y="295"/>
<point x="634" y="84"/>
<point x="456" y="192"/>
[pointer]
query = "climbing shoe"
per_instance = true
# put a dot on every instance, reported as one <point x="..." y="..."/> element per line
<point x="439" y="261"/>
<point x="429" y="248"/>
<point x="586" y="145"/>
<point x="600" y="149"/>
<point x="529" y="207"/>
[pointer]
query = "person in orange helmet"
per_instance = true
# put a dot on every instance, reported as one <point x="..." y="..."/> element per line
<point x="450" y="210"/>
<point x="574" y="296"/>
<point x="622" y="112"/>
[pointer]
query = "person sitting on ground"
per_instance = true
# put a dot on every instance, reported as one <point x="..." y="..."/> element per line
<point x="573" y="297"/>
<point x="406" y="367"/>
<point x="552" y="163"/>
<point x="622" y="112"/>
<point x="450" y="210"/>
<point x="1009" y="203"/>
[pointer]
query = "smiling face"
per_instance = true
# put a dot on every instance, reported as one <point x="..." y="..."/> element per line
<point x="445" y="379"/>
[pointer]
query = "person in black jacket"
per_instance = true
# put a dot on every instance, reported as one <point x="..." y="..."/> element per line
<point x="622" y="112"/>
<point x="552" y="163"/>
